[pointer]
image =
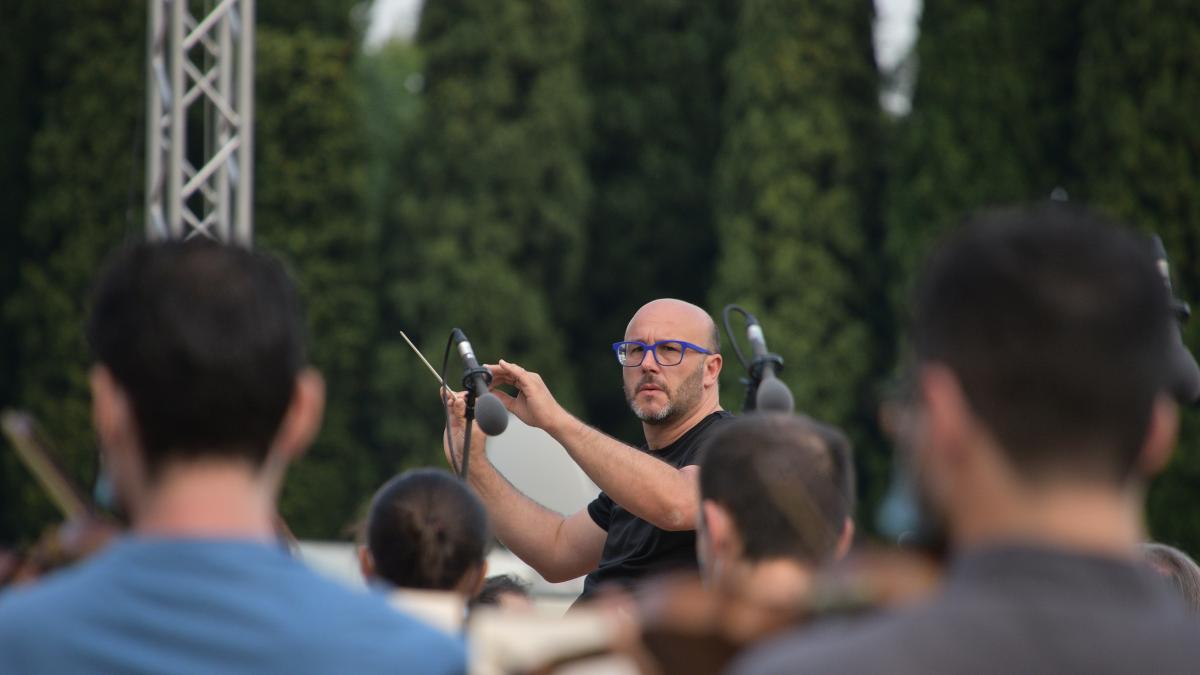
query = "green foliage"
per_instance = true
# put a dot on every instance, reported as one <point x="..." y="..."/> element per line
<point x="309" y="208"/>
<point x="23" y="88"/>
<point x="1016" y="98"/>
<point x="795" y="177"/>
<point x="654" y="72"/>
<point x="336" y="19"/>
<point x="487" y="232"/>
<point x="390" y="82"/>
<point x="84" y="174"/>
<point x="1138" y="88"/>
<point x="990" y="122"/>
<point x="534" y="170"/>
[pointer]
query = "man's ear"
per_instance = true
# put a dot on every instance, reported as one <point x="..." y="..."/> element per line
<point x="719" y="530"/>
<point x="712" y="369"/>
<point x="945" y="434"/>
<point x="845" y="540"/>
<point x="302" y="420"/>
<point x="1161" y="434"/>
<point x="112" y="412"/>
<point x="366" y="564"/>
<point x="947" y="414"/>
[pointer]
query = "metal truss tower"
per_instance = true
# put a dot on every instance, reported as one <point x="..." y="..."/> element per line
<point x="200" y="120"/>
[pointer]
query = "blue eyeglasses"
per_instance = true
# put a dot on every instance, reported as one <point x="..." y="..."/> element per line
<point x="631" y="353"/>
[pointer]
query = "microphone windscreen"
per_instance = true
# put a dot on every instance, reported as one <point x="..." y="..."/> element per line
<point x="491" y="415"/>
<point x="774" y="396"/>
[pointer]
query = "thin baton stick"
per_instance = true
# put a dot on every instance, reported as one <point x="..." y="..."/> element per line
<point x="427" y="364"/>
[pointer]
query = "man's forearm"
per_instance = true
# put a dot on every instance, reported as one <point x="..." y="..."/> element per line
<point x="527" y="528"/>
<point x="644" y="485"/>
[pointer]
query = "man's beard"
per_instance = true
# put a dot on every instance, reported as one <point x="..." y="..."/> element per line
<point x="679" y="402"/>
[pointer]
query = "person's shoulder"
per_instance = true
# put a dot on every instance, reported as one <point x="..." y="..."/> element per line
<point x="25" y="611"/>
<point x="54" y="592"/>
<point x="370" y="630"/>
<point x="714" y="420"/>
<point x="719" y="416"/>
<point x="684" y="450"/>
<point x="419" y="646"/>
<point x="867" y="645"/>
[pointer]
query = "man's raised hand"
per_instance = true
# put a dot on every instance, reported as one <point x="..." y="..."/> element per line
<point x="457" y="402"/>
<point x="534" y="404"/>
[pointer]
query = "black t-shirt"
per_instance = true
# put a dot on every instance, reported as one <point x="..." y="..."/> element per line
<point x="634" y="547"/>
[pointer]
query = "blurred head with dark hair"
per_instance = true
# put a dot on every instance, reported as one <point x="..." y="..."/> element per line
<point x="504" y="591"/>
<point x="1178" y="569"/>
<point x="427" y="530"/>
<point x="200" y="367"/>
<point x="777" y="492"/>
<point x="1041" y="339"/>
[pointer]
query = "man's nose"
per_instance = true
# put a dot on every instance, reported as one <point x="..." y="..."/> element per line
<point x="650" y="363"/>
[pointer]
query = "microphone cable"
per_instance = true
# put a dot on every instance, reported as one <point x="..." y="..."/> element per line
<point x="462" y="473"/>
<point x="729" y="331"/>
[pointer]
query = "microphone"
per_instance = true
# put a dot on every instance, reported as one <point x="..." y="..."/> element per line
<point x="1185" y="374"/>
<point x="773" y="395"/>
<point x="489" y="411"/>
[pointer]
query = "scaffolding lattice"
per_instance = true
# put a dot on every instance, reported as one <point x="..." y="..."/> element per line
<point x="200" y="120"/>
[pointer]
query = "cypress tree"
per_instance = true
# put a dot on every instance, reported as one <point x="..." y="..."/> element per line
<point x="1138" y="89"/>
<point x="487" y="233"/>
<point x="310" y="176"/>
<point x="990" y="122"/>
<point x="84" y="174"/>
<point x="654" y="70"/>
<point x="80" y="177"/>
<point x="796" y="180"/>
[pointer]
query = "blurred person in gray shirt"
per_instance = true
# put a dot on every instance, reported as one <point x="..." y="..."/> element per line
<point x="1042" y="363"/>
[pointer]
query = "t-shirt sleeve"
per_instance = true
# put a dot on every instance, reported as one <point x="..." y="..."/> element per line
<point x="600" y="509"/>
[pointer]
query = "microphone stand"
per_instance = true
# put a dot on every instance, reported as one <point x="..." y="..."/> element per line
<point x="469" y="386"/>
<point x="756" y="371"/>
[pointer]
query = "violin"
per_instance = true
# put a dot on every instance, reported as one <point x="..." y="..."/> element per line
<point x="86" y="527"/>
<point x="688" y="628"/>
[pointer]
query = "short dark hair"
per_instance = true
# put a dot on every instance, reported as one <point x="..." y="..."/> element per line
<point x="1056" y="323"/>
<point x="206" y="340"/>
<point x="787" y="482"/>
<point x="426" y="529"/>
<point x="498" y="585"/>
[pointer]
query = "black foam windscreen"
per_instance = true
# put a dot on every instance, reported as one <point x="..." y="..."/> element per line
<point x="491" y="415"/>
<point x="774" y="396"/>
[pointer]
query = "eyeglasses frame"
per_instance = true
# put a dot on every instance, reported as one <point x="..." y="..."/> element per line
<point x="653" y="349"/>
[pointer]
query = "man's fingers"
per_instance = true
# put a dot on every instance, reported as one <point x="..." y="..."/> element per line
<point x="457" y="402"/>
<point x="500" y="375"/>
<point x="506" y="399"/>
<point x="519" y="376"/>
<point x="517" y="370"/>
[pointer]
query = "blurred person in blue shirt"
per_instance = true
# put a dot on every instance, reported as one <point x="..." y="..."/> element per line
<point x="200" y="399"/>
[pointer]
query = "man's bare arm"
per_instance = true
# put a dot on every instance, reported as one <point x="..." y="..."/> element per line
<point x="558" y="547"/>
<point x="644" y="485"/>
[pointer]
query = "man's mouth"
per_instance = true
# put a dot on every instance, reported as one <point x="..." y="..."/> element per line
<point x="648" y="387"/>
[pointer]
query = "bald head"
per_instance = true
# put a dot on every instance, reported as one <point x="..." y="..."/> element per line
<point x="682" y="319"/>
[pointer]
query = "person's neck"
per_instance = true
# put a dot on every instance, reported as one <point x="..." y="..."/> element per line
<point x="1093" y="519"/>
<point x="207" y="500"/>
<point x="659" y="436"/>
<point x="778" y="582"/>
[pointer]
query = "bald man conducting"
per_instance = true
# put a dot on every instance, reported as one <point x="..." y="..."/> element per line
<point x="643" y="520"/>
